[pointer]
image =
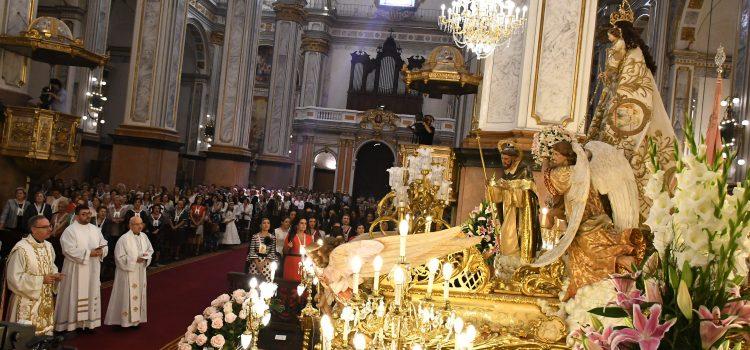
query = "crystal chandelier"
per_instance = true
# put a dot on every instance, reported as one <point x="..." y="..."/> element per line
<point x="481" y="25"/>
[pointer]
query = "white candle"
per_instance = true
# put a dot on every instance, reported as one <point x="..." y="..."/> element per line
<point x="403" y="230"/>
<point x="273" y="266"/>
<point x="545" y="211"/>
<point x="447" y="272"/>
<point x="398" y="280"/>
<point x="356" y="265"/>
<point x="428" y="224"/>
<point x="347" y="314"/>
<point x="327" y="330"/>
<point x="359" y="341"/>
<point x="433" y="265"/>
<point x="377" y="264"/>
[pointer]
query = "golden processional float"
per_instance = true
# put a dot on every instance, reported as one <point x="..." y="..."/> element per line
<point x="426" y="285"/>
<point x="43" y="142"/>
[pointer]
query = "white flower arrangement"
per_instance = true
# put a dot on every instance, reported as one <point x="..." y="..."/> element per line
<point x="541" y="146"/>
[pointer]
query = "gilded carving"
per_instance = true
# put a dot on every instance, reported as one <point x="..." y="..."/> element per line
<point x="379" y="120"/>
<point x="217" y="38"/>
<point x="289" y="12"/>
<point x="315" y="45"/>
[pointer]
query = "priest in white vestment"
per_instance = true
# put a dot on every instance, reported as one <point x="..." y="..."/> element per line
<point x="32" y="277"/>
<point x="127" y="305"/>
<point x="79" y="298"/>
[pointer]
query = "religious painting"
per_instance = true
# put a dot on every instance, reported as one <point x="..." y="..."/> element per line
<point x="258" y="124"/>
<point x="263" y="67"/>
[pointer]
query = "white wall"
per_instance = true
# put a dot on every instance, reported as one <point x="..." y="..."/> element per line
<point x="340" y="68"/>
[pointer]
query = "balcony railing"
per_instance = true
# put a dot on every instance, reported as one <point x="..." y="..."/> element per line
<point x="369" y="11"/>
<point x="348" y="116"/>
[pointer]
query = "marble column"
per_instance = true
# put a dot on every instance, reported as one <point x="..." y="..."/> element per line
<point x="306" y="148"/>
<point x="230" y="151"/>
<point x="148" y="135"/>
<point x="15" y="16"/>
<point x="741" y="87"/>
<point x="276" y="165"/>
<point x="345" y="165"/>
<point x="95" y="40"/>
<point x="289" y="18"/>
<point x="657" y="37"/>
<point x="315" y="46"/>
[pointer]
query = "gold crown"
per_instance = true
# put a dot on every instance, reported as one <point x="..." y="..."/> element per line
<point x="623" y="14"/>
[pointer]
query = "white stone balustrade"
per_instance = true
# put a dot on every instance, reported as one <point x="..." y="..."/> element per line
<point x="348" y="116"/>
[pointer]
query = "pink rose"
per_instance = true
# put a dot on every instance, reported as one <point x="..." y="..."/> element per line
<point x="223" y="298"/>
<point x="198" y="318"/>
<point x="184" y="346"/>
<point x="190" y="337"/>
<point x="209" y="310"/>
<point x="239" y="296"/>
<point x="215" y="315"/>
<point x="217" y="341"/>
<point x="201" y="339"/>
<point x="228" y="307"/>
<point x="191" y="328"/>
<point x="230" y="318"/>
<point x="202" y="326"/>
<point x="217" y="323"/>
<point x="216" y="303"/>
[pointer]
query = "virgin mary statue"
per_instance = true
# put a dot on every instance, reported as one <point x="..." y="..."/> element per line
<point x="630" y="111"/>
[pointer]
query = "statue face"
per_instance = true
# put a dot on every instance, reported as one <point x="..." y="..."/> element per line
<point x="507" y="160"/>
<point x="558" y="159"/>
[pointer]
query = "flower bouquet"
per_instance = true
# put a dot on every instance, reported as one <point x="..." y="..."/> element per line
<point x="687" y="294"/>
<point x="222" y="324"/>
<point x="481" y="224"/>
<point x="541" y="146"/>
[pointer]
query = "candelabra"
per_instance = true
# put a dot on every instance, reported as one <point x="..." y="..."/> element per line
<point x="396" y="320"/>
<point x="257" y="309"/>
<point x="418" y="189"/>
<point x="308" y="279"/>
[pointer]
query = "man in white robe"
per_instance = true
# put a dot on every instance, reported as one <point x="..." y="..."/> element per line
<point x="32" y="277"/>
<point x="79" y="299"/>
<point x="127" y="305"/>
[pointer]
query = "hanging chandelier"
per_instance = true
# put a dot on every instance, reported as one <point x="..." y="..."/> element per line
<point x="481" y="25"/>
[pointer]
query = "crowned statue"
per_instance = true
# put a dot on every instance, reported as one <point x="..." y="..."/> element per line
<point x="630" y="111"/>
<point x="517" y="203"/>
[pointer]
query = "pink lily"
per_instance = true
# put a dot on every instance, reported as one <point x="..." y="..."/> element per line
<point x="712" y="326"/>
<point x="653" y="291"/>
<point x="627" y="300"/>
<point x="624" y="282"/>
<point x="646" y="332"/>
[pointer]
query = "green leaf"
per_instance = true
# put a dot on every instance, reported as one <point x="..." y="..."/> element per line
<point x="687" y="274"/>
<point x="596" y="323"/>
<point x="610" y="312"/>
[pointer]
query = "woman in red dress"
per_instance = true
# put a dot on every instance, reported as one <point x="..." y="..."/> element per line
<point x="292" y="249"/>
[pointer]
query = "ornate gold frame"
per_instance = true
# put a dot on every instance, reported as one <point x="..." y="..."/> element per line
<point x="438" y="69"/>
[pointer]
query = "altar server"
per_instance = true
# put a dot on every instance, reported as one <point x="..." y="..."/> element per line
<point x="84" y="248"/>
<point x="127" y="306"/>
<point x="32" y="277"/>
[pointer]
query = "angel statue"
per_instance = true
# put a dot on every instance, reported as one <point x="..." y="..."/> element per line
<point x="630" y="110"/>
<point x="597" y="243"/>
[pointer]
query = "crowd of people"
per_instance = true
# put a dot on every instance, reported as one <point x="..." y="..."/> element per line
<point x="98" y="231"/>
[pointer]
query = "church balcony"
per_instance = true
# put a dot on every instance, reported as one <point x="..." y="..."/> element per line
<point x="348" y="120"/>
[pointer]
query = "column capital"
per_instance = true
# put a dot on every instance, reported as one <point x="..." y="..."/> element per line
<point x="217" y="37"/>
<point x="290" y="11"/>
<point x="315" y="44"/>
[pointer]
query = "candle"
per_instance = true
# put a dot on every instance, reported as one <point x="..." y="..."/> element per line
<point x="359" y="341"/>
<point x="428" y="224"/>
<point x="545" y="211"/>
<point x="403" y="230"/>
<point x="273" y="266"/>
<point x="347" y="314"/>
<point x="458" y="325"/>
<point x="398" y="280"/>
<point x="356" y="265"/>
<point x="377" y="264"/>
<point x="326" y="331"/>
<point x="433" y="265"/>
<point x="447" y="272"/>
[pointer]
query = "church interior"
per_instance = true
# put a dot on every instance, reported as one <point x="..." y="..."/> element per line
<point x="374" y="174"/>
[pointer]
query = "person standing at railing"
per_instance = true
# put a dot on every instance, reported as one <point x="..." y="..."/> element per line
<point x="423" y="130"/>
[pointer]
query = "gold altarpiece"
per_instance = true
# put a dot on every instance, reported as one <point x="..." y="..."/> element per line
<point x="515" y="312"/>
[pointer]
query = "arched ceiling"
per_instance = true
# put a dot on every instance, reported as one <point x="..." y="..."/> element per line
<point x="707" y="23"/>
